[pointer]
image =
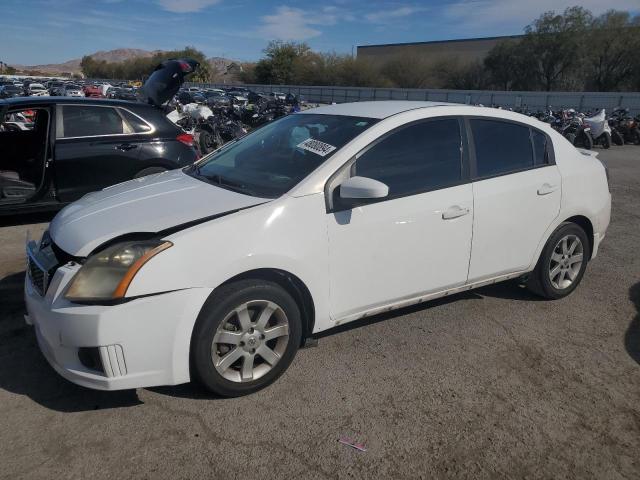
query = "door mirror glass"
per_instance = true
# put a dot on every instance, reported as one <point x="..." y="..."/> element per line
<point x="362" y="188"/>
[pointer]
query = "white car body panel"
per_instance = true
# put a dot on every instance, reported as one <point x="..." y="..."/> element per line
<point x="394" y="249"/>
<point x="161" y="201"/>
<point x="510" y="218"/>
<point x="372" y="259"/>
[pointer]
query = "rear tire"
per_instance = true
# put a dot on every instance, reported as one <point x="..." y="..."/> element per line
<point x="617" y="138"/>
<point x="587" y="140"/>
<point x="245" y="337"/>
<point x="606" y="141"/>
<point x="562" y="263"/>
<point x="635" y="136"/>
<point x="149" y="171"/>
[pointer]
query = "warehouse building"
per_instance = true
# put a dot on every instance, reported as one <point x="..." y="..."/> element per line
<point x="468" y="50"/>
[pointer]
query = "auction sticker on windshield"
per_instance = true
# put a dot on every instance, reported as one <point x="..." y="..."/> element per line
<point x="317" y="147"/>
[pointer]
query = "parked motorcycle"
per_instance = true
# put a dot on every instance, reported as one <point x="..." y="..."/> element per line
<point x="599" y="129"/>
<point x="628" y="126"/>
<point x="575" y="130"/>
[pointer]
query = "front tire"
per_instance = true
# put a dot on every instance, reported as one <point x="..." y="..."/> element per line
<point x="246" y="335"/>
<point x="606" y="141"/>
<point x="562" y="263"/>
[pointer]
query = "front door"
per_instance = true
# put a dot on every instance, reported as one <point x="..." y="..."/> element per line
<point x="415" y="241"/>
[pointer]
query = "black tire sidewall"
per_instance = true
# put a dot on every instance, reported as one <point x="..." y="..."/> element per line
<point x="548" y="290"/>
<point x="217" y="306"/>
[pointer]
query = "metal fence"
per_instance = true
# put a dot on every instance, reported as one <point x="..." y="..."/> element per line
<point x="583" y="102"/>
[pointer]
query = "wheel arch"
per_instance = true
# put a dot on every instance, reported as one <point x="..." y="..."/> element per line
<point x="586" y="225"/>
<point x="290" y="283"/>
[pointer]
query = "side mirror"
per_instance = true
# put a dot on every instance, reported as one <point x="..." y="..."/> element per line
<point x="362" y="188"/>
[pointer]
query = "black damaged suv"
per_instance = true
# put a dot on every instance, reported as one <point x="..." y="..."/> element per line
<point x="54" y="150"/>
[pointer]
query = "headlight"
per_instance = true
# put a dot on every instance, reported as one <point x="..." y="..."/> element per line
<point x="107" y="274"/>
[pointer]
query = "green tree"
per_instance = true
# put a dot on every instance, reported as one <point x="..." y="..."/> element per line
<point x="613" y="49"/>
<point x="556" y="47"/>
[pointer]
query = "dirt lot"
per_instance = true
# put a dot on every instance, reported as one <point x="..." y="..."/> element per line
<point x="490" y="384"/>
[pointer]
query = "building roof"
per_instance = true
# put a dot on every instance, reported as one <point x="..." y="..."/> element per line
<point x="375" y="109"/>
<point x="455" y="40"/>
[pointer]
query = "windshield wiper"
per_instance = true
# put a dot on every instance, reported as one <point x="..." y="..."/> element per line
<point x="230" y="184"/>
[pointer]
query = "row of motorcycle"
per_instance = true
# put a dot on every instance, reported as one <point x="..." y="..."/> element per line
<point x="593" y="128"/>
<point x="214" y="124"/>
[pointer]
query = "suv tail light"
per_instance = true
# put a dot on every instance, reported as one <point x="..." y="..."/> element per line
<point x="185" y="138"/>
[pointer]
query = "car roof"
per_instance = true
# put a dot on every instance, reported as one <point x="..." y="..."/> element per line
<point x="17" y="101"/>
<point x="375" y="109"/>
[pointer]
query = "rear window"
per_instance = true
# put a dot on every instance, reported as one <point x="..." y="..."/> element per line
<point x="501" y="147"/>
<point x="89" y="121"/>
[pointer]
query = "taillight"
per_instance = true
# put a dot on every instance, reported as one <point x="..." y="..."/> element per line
<point x="185" y="138"/>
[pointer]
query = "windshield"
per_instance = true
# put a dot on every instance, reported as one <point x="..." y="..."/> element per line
<point x="273" y="159"/>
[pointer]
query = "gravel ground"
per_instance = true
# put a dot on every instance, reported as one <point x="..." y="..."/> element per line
<point x="489" y="384"/>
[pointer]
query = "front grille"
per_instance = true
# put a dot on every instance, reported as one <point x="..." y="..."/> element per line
<point x="39" y="278"/>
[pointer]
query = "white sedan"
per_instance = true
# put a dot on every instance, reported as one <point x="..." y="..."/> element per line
<point x="219" y="272"/>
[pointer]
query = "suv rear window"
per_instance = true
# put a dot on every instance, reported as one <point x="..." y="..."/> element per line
<point x="89" y="121"/>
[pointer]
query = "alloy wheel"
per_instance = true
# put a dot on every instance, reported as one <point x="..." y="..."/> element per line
<point x="566" y="262"/>
<point x="250" y="341"/>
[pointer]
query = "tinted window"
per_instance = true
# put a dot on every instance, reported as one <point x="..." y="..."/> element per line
<point x="136" y="123"/>
<point x="421" y="157"/>
<point x="501" y="147"/>
<point x="540" y="147"/>
<point x="87" y="121"/>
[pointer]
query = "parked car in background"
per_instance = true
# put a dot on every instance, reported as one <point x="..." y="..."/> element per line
<point x="219" y="271"/>
<point x="36" y="90"/>
<point x="74" y="146"/>
<point x="10" y="91"/>
<point x="120" y="93"/>
<point x="71" y="90"/>
<point x="92" y="91"/>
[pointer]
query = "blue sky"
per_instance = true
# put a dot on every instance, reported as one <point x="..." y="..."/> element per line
<point x="52" y="31"/>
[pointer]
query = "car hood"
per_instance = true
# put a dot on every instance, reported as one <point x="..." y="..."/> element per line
<point x="149" y="204"/>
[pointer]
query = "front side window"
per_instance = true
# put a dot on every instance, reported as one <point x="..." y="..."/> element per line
<point x="89" y="121"/>
<point x="418" y="158"/>
<point x="273" y="159"/>
<point x="501" y="147"/>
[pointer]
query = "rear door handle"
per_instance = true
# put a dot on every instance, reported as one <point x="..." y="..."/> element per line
<point x="547" y="188"/>
<point x="454" y="212"/>
<point x="126" y="146"/>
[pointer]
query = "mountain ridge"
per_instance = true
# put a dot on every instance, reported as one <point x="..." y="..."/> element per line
<point x="113" y="56"/>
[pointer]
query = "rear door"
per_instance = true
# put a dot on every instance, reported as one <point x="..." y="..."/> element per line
<point x="95" y="147"/>
<point x="516" y="195"/>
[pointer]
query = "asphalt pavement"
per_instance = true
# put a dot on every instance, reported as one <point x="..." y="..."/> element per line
<point x="493" y="383"/>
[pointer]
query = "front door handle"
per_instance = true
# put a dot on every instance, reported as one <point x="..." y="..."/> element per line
<point x="547" y="188"/>
<point x="454" y="212"/>
<point x="126" y="146"/>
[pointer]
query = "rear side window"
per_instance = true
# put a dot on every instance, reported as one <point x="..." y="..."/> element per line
<point x="89" y="121"/>
<point x="501" y="147"/>
<point x="421" y="157"/>
<point x="136" y="124"/>
<point x="540" y="148"/>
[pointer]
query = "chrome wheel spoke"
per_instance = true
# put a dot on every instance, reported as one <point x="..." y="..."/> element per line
<point x="564" y="247"/>
<point x="555" y="271"/>
<point x="265" y="315"/>
<point x="247" y="367"/>
<point x="577" y="258"/>
<point x="561" y="278"/>
<point x="225" y="362"/>
<point x="556" y="257"/>
<point x="243" y="318"/>
<point x="268" y="355"/>
<point x="573" y="246"/>
<point x="275" y="332"/>
<point x="230" y="338"/>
